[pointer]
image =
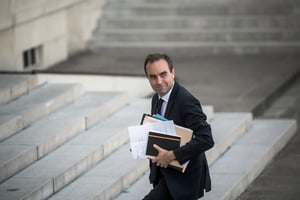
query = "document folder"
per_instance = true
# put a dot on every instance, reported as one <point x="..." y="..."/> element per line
<point x="168" y="142"/>
<point x="184" y="133"/>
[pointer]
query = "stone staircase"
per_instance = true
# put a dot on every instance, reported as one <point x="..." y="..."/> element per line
<point x="37" y="127"/>
<point x="192" y="27"/>
<point x="59" y="141"/>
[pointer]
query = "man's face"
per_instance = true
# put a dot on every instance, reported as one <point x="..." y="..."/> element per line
<point x="160" y="77"/>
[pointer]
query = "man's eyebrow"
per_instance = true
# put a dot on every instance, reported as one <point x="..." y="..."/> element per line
<point x="162" y="73"/>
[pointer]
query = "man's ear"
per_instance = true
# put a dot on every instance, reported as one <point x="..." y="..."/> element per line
<point x="173" y="72"/>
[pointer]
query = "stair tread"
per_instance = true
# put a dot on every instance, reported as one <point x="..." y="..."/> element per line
<point x="99" y="180"/>
<point x="199" y="18"/>
<point x="205" y="1"/>
<point x="36" y="104"/>
<point x="78" y="111"/>
<point x="52" y="131"/>
<point x="248" y="157"/>
<point x="77" y="155"/>
<point x="227" y="125"/>
<point x="196" y="31"/>
<point x="198" y="36"/>
<point x="226" y="128"/>
<point x="44" y="96"/>
<point x="203" y="23"/>
<point x="191" y="44"/>
<point x="245" y="27"/>
<point x="198" y="9"/>
<point x="202" y="4"/>
<point x="13" y="86"/>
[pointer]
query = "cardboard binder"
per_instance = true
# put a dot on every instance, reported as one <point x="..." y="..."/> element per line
<point x="184" y="133"/>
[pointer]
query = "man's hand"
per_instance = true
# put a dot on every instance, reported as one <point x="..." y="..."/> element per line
<point x="164" y="157"/>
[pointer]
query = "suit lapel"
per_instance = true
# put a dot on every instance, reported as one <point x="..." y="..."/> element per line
<point x="154" y="103"/>
<point x="171" y="100"/>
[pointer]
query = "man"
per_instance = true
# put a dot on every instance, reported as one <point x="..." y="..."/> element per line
<point x="185" y="110"/>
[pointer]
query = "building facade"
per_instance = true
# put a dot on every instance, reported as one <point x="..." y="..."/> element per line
<point x="35" y="34"/>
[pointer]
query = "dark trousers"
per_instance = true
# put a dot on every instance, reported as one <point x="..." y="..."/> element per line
<point x="159" y="192"/>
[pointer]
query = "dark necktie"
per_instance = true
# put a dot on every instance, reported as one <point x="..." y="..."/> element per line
<point x="159" y="104"/>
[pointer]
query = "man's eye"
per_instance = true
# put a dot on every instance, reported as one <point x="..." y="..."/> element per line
<point x="152" y="77"/>
<point x="163" y="74"/>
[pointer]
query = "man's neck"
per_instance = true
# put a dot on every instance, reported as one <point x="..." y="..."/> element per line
<point x="167" y="95"/>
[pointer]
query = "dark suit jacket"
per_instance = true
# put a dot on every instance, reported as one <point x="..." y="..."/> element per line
<point x="185" y="110"/>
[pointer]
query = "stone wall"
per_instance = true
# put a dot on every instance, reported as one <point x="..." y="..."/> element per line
<point x="55" y="29"/>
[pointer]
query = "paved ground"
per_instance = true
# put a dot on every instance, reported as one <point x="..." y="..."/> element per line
<point x="268" y="86"/>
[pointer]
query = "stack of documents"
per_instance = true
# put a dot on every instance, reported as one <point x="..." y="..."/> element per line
<point x="163" y="132"/>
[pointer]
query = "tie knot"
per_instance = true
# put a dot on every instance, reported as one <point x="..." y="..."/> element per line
<point x="160" y="100"/>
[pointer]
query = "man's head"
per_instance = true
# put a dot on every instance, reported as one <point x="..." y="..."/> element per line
<point x="160" y="72"/>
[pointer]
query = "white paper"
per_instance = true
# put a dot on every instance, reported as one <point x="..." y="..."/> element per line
<point x="138" y="136"/>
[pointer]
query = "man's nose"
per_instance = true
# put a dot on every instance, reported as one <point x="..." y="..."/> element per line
<point x="159" y="80"/>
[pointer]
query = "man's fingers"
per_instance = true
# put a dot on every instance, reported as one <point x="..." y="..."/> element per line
<point x="158" y="148"/>
<point x="159" y="159"/>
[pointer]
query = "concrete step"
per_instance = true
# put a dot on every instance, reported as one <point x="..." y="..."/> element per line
<point x="192" y="35"/>
<point x="107" y="179"/>
<point x="114" y="174"/>
<point x="209" y="111"/>
<point x="198" y="9"/>
<point x="244" y="161"/>
<point x="36" y="104"/>
<point x="207" y="1"/>
<point x="138" y="189"/>
<point x="12" y="86"/>
<point x="62" y="166"/>
<point x="45" y="135"/>
<point x="247" y="158"/>
<point x="200" y="23"/>
<point x="227" y="128"/>
<point x="193" y="49"/>
<point x="198" y="27"/>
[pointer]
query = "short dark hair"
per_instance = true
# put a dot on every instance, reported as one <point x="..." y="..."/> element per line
<point x="158" y="56"/>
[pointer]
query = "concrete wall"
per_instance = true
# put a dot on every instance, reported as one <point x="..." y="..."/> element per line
<point x="58" y="27"/>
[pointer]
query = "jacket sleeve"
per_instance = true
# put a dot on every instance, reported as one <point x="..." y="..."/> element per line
<point x="192" y="117"/>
